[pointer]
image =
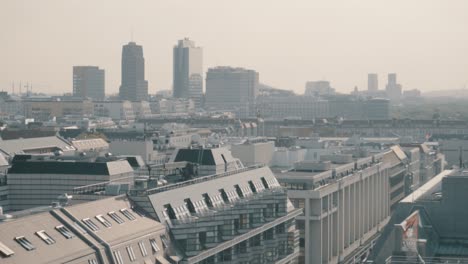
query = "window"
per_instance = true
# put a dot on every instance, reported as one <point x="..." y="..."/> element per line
<point x="164" y="241"/>
<point x="131" y="253"/>
<point x="89" y="223"/>
<point x="224" y="195"/>
<point x="208" y="201"/>
<point x="239" y="191"/>
<point x="142" y="246"/>
<point x="118" y="257"/>
<point x="127" y="214"/>
<point x="92" y="261"/>
<point x="264" y="182"/>
<point x="116" y="217"/>
<point x="252" y="187"/>
<point x="154" y="245"/>
<point x="5" y="251"/>
<point x="64" y="231"/>
<point x="45" y="237"/>
<point x="190" y="206"/>
<point x="25" y="243"/>
<point x="103" y="221"/>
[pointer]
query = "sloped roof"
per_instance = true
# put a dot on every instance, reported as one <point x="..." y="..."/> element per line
<point x="22" y="145"/>
<point x="71" y="167"/>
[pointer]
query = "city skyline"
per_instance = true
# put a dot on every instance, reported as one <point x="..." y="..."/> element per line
<point x="361" y="37"/>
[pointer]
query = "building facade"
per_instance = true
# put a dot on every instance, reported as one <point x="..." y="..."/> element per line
<point x="233" y="89"/>
<point x="372" y="82"/>
<point x="88" y="82"/>
<point x="188" y="71"/>
<point x="318" y="88"/>
<point x="240" y="216"/>
<point x="134" y="87"/>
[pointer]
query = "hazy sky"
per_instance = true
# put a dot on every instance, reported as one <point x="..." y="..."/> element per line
<point x="287" y="42"/>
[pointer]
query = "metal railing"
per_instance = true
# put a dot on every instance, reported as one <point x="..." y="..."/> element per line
<point x="422" y="260"/>
<point x="194" y="181"/>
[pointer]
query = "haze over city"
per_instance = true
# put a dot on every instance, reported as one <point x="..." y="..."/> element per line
<point x="287" y="42"/>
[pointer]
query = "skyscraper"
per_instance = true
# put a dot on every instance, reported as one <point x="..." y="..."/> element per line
<point x="372" y="82"/>
<point x="188" y="71"/>
<point x="88" y="82"/>
<point x="233" y="89"/>
<point x="134" y="87"/>
<point x="393" y="89"/>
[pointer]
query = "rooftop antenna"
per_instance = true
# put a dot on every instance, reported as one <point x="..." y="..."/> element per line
<point x="131" y="34"/>
<point x="13" y="88"/>
<point x="20" y="89"/>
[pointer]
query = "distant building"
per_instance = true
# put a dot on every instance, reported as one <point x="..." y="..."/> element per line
<point x="296" y="106"/>
<point x="117" y="110"/>
<point x="377" y="109"/>
<point x="141" y="109"/>
<point x="393" y="89"/>
<point x="36" y="145"/>
<point x="359" y="109"/>
<point x="44" y="110"/>
<point x="412" y="94"/>
<point x="233" y="89"/>
<point x="318" y="88"/>
<point x="165" y="106"/>
<point x="253" y="152"/>
<point x="88" y="82"/>
<point x="188" y="71"/>
<point x="134" y="87"/>
<point x="372" y="82"/>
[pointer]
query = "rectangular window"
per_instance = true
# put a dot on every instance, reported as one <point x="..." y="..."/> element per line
<point x="164" y="241"/>
<point x="118" y="257"/>
<point x="127" y="214"/>
<point x="5" y="251"/>
<point x="116" y="217"/>
<point x="131" y="253"/>
<point x="25" y="243"/>
<point x="89" y="223"/>
<point x="64" y="231"/>
<point x="45" y="237"/>
<point x="142" y="246"/>
<point x="154" y="245"/>
<point x="103" y="221"/>
<point x="239" y="191"/>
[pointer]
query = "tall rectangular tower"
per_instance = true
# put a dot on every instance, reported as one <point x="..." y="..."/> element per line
<point x="372" y="82"/>
<point x="134" y="87"/>
<point x="88" y="82"/>
<point x="188" y="71"/>
<point x="232" y="89"/>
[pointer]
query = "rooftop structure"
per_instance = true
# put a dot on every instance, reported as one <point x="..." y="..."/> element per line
<point x="105" y="231"/>
<point x="39" y="180"/>
<point x="240" y="215"/>
<point x="429" y="224"/>
<point x="39" y="145"/>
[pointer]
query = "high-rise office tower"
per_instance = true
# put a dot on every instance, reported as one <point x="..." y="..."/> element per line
<point x="88" y="82"/>
<point x="393" y="89"/>
<point x="134" y="87"/>
<point x="372" y="82"/>
<point x="188" y="71"/>
<point x="392" y="79"/>
<point x="233" y="89"/>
